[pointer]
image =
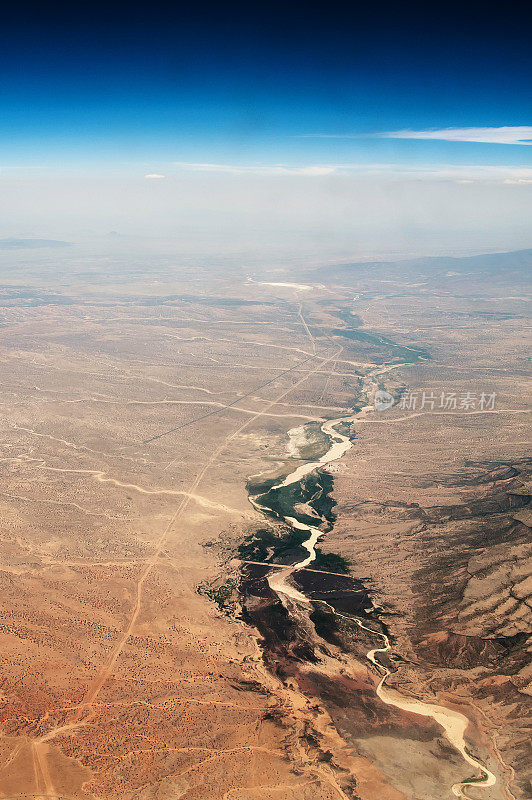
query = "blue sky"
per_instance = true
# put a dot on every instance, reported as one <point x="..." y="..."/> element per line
<point x="239" y="86"/>
<point x="346" y="128"/>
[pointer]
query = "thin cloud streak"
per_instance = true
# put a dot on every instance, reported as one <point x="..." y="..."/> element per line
<point x="507" y="134"/>
<point x="447" y="172"/>
<point x="257" y="169"/>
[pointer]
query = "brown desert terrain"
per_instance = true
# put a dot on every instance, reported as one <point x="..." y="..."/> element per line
<point x="226" y="572"/>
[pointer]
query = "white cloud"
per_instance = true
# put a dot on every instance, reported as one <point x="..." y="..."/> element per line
<point x="436" y="172"/>
<point x="508" y="134"/>
<point x="258" y="169"/>
<point x="462" y="173"/>
<point x="314" y="170"/>
<point x="154" y="175"/>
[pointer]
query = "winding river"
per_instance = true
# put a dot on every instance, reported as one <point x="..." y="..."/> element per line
<point x="453" y="723"/>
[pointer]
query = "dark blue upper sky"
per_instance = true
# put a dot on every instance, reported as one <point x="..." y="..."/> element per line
<point x="244" y="84"/>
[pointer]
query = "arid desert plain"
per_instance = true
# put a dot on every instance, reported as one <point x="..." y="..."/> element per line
<point x="264" y="530"/>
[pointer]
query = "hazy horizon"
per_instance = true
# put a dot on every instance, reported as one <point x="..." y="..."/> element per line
<point x="317" y="216"/>
<point x="343" y="132"/>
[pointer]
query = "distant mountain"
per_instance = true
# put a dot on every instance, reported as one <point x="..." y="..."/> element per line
<point x="31" y="244"/>
<point x="518" y="261"/>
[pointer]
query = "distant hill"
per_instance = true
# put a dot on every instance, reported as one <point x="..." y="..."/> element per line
<point x="31" y="244"/>
<point x="518" y="261"/>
